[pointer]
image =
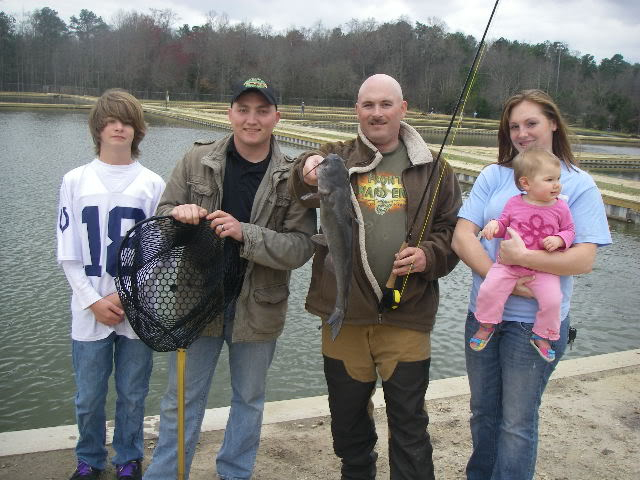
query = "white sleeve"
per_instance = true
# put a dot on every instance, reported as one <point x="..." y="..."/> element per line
<point x="69" y="246"/>
<point x="80" y="284"/>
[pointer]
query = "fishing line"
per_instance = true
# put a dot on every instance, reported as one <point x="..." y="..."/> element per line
<point x="391" y="297"/>
<point x="435" y="194"/>
<point x="474" y="65"/>
<point x="317" y="165"/>
<point x="466" y="97"/>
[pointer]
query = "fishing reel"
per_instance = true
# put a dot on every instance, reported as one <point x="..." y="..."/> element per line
<point x="390" y="299"/>
<point x="390" y="294"/>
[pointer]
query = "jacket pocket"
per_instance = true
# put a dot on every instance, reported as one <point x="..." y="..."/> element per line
<point x="269" y="309"/>
<point x="202" y="193"/>
<point x="271" y="295"/>
<point x="279" y="204"/>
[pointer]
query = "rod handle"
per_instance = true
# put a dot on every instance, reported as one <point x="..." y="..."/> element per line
<point x="391" y="281"/>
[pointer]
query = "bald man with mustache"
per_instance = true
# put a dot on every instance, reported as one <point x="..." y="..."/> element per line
<point x="389" y="166"/>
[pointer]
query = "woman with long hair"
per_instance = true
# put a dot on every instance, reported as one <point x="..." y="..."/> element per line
<point x="508" y="376"/>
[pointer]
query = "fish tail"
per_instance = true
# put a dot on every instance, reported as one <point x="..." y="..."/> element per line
<point x="335" y="322"/>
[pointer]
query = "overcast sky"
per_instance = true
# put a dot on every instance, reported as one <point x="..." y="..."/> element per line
<point x="599" y="27"/>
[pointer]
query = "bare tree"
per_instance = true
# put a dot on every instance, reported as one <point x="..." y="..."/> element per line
<point x="148" y="54"/>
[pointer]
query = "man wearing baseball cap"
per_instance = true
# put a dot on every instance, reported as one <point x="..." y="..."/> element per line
<point x="238" y="184"/>
<point x="255" y="85"/>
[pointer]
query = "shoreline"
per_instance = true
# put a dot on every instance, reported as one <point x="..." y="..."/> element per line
<point x="590" y="423"/>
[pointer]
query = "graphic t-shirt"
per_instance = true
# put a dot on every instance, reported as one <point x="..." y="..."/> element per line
<point x="536" y="222"/>
<point x="383" y="202"/>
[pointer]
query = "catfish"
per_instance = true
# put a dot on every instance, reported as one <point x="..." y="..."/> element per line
<point x="336" y="222"/>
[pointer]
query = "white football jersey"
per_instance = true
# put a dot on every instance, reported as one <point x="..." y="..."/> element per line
<point x="99" y="203"/>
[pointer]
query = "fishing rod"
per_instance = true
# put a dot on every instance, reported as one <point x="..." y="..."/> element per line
<point x="390" y="295"/>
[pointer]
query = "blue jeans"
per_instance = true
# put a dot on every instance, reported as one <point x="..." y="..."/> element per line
<point x="249" y="363"/>
<point x="506" y="379"/>
<point x="93" y="363"/>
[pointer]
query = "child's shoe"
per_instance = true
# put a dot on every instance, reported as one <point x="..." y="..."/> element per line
<point x="476" y="343"/>
<point x="131" y="470"/>
<point x="85" y="472"/>
<point x="548" y="354"/>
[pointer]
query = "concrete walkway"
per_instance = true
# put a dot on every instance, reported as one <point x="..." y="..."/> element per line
<point x="296" y="440"/>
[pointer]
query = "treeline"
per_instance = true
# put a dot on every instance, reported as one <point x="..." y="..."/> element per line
<point x="146" y="54"/>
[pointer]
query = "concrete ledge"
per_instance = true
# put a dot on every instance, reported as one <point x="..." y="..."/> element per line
<point x="63" y="437"/>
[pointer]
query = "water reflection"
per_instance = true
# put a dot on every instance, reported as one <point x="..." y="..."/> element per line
<point x="610" y="149"/>
<point x="492" y="141"/>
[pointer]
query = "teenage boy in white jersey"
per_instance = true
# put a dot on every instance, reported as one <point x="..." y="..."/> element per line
<point x="99" y="202"/>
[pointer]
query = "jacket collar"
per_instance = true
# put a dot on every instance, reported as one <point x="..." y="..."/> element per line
<point x="417" y="148"/>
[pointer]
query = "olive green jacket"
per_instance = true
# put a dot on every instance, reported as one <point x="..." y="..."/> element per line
<point x="276" y="240"/>
<point x="420" y="297"/>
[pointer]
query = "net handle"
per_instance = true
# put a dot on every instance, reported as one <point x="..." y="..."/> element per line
<point x="181" y="358"/>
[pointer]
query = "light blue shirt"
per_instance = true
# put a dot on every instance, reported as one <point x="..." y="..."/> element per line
<point x="490" y="193"/>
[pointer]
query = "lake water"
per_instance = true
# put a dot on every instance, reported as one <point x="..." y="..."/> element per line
<point x="492" y="141"/>
<point x="36" y="379"/>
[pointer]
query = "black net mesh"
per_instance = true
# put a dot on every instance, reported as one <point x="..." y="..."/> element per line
<point x="174" y="278"/>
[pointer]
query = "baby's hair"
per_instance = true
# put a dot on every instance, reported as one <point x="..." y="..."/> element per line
<point x="527" y="163"/>
<point x="121" y="105"/>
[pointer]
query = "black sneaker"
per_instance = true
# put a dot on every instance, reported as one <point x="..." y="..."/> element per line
<point x="85" y="472"/>
<point x="131" y="470"/>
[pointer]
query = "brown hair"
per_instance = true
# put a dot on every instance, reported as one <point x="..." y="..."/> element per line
<point x="123" y="106"/>
<point x="527" y="163"/>
<point x="561" y="145"/>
